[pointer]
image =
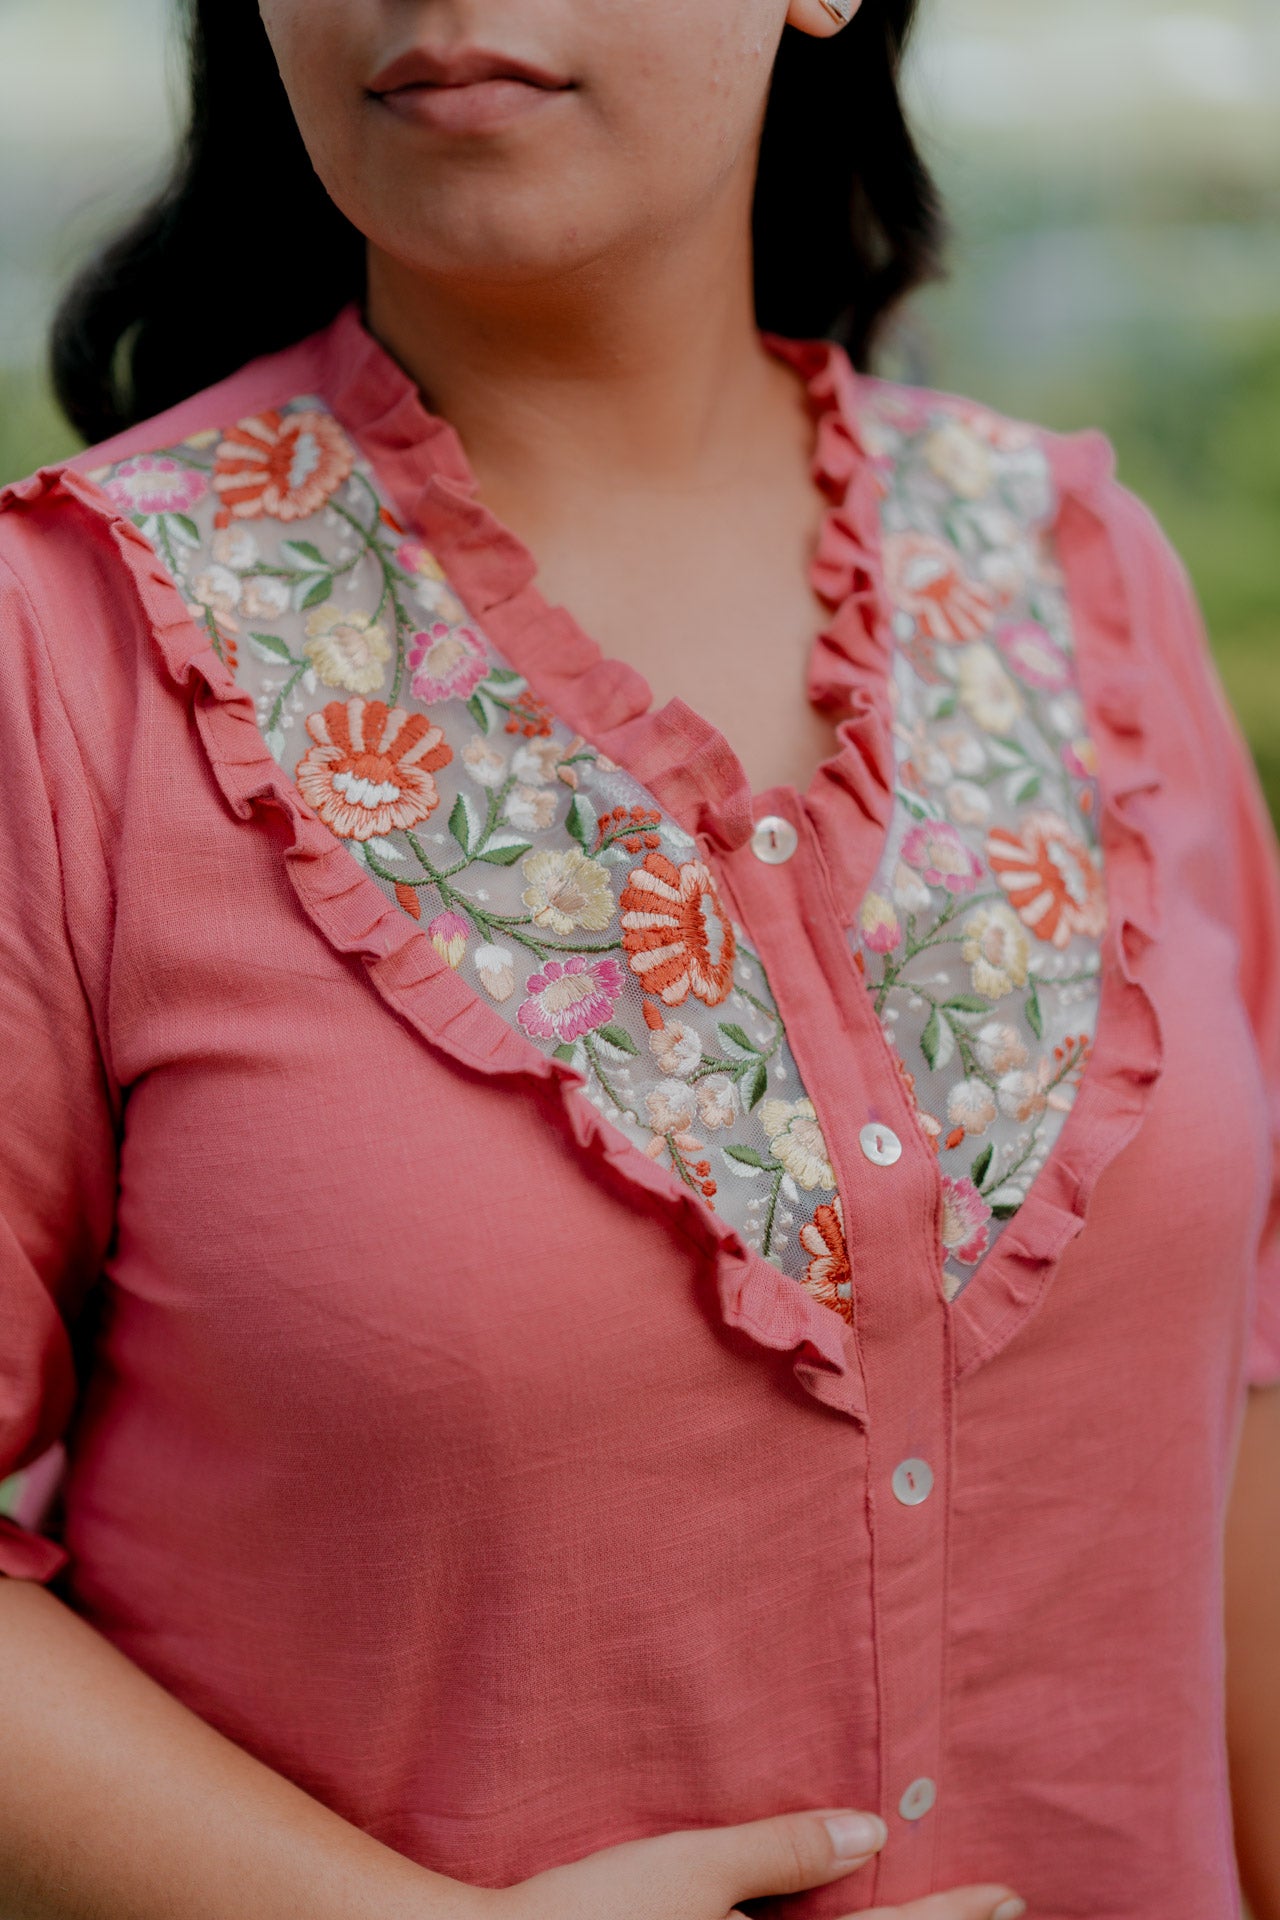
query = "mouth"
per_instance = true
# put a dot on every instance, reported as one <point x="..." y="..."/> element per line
<point x="464" y="90"/>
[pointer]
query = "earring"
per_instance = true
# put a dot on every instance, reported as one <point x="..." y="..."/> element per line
<point x="841" y="11"/>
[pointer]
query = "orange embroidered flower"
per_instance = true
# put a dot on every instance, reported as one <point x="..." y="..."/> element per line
<point x="926" y="579"/>
<point x="1050" y="878"/>
<point x="285" y="465"/>
<point x="828" y="1275"/>
<point x="677" y="935"/>
<point x="370" y="770"/>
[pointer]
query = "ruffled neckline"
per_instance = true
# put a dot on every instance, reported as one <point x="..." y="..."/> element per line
<point x="684" y="760"/>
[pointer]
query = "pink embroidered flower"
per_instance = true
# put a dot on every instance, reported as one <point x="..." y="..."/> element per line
<point x="570" y="997"/>
<point x="965" y="1218"/>
<point x="1035" y="656"/>
<point x="879" y="924"/>
<point x="940" y="856"/>
<point x="413" y="557"/>
<point x="155" y="483"/>
<point x="371" y="768"/>
<point x="448" y="663"/>
<point x="1080" y="757"/>
<point x="448" y="934"/>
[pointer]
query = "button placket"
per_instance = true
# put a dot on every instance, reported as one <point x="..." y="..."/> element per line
<point x="887" y="1175"/>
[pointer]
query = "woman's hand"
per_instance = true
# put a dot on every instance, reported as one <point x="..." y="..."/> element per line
<point x="702" y="1873"/>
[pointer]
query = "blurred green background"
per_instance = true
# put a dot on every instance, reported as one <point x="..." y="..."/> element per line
<point x="1113" y="174"/>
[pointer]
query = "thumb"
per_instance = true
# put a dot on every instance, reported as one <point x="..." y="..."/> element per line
<point x="788" y="1853"/>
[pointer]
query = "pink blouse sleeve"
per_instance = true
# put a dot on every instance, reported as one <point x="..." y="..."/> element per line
<point x="1249" y="870"/>
<point x="58" y="1134"/>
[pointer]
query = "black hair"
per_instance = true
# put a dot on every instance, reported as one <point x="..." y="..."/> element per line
<point x="847" y="221"/>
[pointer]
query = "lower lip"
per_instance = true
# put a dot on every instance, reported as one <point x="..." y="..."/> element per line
<point x="483" y="107"/>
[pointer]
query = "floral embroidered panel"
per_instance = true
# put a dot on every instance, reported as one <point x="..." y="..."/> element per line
<point x="585" y="916"/>
<point x="537" y="866"/>
<point x="980" y="932"/>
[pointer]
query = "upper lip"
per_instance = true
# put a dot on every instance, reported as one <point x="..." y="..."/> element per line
<point x="458" y="67"/>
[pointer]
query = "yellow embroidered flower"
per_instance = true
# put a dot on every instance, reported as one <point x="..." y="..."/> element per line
<point x="346" y="648"/>
<point x="958" y="456"/>
<point x="998" y="949"/>
<point x="796" y="1139"/>
<point x="566" y="890"/>
<point x="986" y="690"/>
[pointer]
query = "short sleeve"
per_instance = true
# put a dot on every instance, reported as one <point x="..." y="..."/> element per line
<point x="58" y="1133"/>
<point x="1249" y="869"/>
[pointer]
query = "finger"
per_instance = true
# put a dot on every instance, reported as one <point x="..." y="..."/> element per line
<point x="789" y="1852"/>
<point x="983" y="1902"/>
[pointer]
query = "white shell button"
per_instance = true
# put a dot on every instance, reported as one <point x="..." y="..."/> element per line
<point x="774" y="839"/>
<point x="918" y="1798"/>
<point x="912" y="1481"/>
<point x="880" y="1144"/>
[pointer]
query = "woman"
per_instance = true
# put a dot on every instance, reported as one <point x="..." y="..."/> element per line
<point x="640" y="1244"/>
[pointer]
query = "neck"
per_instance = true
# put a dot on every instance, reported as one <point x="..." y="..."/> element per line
<point x="650" y="368"/>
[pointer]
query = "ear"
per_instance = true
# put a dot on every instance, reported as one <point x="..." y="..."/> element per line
<point x="821" y="18"/>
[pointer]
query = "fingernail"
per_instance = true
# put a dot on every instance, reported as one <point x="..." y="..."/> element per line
<point x="1010" y="1910"/>
<point x="853" y="1834"/>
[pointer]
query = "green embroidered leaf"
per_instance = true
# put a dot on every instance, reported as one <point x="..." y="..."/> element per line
<point x="479" y="712"/>
<point x="275" y="742"/>
<point x="914" y="807"/>
<point x="967" y="1003"/>
<point x="1022" y="787"/>
<point x="1004" y="1212"/>
<point x="931" y="1038"/>
<point x="981" y="1165"/>
<point x="504" y="677"/>
<point x="460" y="823"/>
<point x="319" y="593"/>
<point x="268" y="643"/>
<point x="303" y="555"/>
<point x="734" y="1034"/>
<point x="945" y="708"/>
<point x="618" y="1037"/>
<point x="581" y="821"/>
<point x="758" y="1085"/>
<point x="188" y="527"/>
<point x="499" y="855"/>
<point x="1006" y="754"/>
<point x="748" y="1157"/>
<point x="563" y="1052"/>
<point x="1035" y="1013"/>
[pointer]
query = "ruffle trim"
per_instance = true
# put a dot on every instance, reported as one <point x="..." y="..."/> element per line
<point x="693" y="774"/>
<point x="1128" y="1053"/>
<point x="352" y="913"/>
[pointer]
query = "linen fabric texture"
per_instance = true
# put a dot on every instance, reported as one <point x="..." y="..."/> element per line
<point x="460" y="1458"/>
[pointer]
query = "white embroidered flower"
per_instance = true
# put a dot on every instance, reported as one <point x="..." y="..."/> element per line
<point x="963" y="749"/>
<point x="971" y="1105"/>
<point x="535" y="762"/>
<point x="530" y="808"/>
<point x="217" y="587"/>
<point x="968" y="805"/>
<point x="1021" y="1095"/>
<point x="717" y="1100"/>
<point x="986" y="690"/>
<point x="483" y="762"/>
<point x="909" y="890"/>
<point x="235" y="547"/>
<point x="676" y="1047"/>
<point x="439" y="601"/>
<point x="998" y="949"/>
<point x="347" y="648"/>
<point x="265" y="598"/>
<point x="1066" y="716"/>
<point x="796" y="1139"/>
<point x="670" y="1106"/>
<point x="496" y="968"/>
<point x="998" y="1047"/>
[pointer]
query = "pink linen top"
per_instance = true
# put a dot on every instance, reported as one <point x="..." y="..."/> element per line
<point x="392" y="1222"/>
